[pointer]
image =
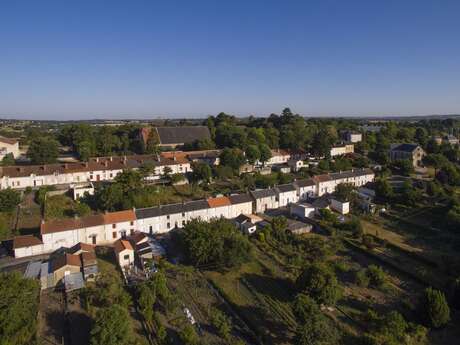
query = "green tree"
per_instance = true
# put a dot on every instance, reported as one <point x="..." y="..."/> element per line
<point x="344" y="191"/>
<point x="19" y="307"/>
<point x="222" y="323"/>
<point x="384" y="190"/>
<point x="320" y="283"/>
<point x="201" y="172"/>
<point x="217" y="242"/>
<point x="233" y="158"/>
<point x="146" y="301"/>
<point x="434" y="308"/>
<point x="252" y="153"/>
<point x="265" y="153"/>
<point x="43" y="150"/>
<point x="9" y="199"/>
<point x="8" y="160"/>
<point x="188" y="335"/>
<point x="315" y="328"/>
<point x="112" y="326"/>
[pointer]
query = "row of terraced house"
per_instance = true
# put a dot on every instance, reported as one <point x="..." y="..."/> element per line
<point x="106" y="228"/>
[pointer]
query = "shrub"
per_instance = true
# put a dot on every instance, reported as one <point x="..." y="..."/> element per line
<point x="377" y="277"/>
<point x="434" y="308"/>
<point x="361" y="278"/>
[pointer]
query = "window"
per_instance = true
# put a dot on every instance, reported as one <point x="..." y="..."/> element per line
<point x="126" y="257"/>
<point x="90" y="177"/>
<point x="150" y="228"/>
<point x="168" y="225"/>
<point x="131" y="223"/>
<point x="183" y="214"/>
<point x="167" y="217"/>
<point x="183" y="222"/>
<point x="131" y="231"/>
<point x="114" y="226"/>
<point x="114" y="234"/>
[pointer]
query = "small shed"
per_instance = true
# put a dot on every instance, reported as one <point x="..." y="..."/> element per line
<point x="303" y="210"/>
<point x="342" y="207"/>
<point x="299" y="228"/>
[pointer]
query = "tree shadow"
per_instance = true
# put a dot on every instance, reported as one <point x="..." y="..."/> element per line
<point x="269" y="330"/>
<point x="80" y="325"/>
<point x="274" y="287"/>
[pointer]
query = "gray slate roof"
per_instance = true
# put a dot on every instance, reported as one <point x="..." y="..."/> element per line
<point x="182" y="135"/>
<point x="284" y="188"/>
<point x="405" y="147"/>
<point x="240" y="198"/>
<point x="305" y="183"/>
<point x="263" y="193"/>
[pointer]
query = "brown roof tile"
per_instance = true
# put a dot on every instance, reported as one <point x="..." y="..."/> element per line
<point x="65" y="260"/>
<point x="121" y="245"/>
<point x="26" y="241"/>
<point x="218" y="202"/>
<point x="120" y="216"/>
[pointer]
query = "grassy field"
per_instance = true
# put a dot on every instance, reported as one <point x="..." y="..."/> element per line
<point x="262" y="296"/>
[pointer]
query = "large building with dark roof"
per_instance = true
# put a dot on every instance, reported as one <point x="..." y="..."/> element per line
<point x="178" y="136"/>
<point x="412" y="152"/>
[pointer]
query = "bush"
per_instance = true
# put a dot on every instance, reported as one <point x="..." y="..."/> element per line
<point x="217" y="242"/>
<point x="9" y="199"/>
<point x="377" y="277"/>
<point x="434" y="308"/>
<point x="222" y="323"/>
<point x="361" y="278"/>
<point x="320" y="283"/>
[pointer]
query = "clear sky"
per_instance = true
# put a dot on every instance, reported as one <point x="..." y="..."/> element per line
<point x="141" y="59"/>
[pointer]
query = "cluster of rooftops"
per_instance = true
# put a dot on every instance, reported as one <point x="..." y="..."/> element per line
<point x="66" y="224"/>
<point x="94" y="164"/>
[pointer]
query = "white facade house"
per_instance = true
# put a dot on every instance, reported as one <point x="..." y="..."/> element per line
<point x="124" y="253"/>
<point x="342" y="150"/>
<point x="279" y="157"/>
<point x="305" y="188"/>
<point x="264" y="199"/>
<point x="79" y="191"/>
<point x="297" y="164"/>
<point x="287" y="194"/>
<point x="109" y="227"/>
<point x="353" y="137"/>
<point x="9" y="146"/>
<point x="95" y="170"/>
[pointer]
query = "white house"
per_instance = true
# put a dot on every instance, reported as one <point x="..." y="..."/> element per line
<point x="7" y="146"/>
<point x="305" y="188"/>
<point x="79" y="191"/>
<point x="286" y="193"/>
<point x="342" y="150"/>
<point x="296" y="164"/>
<point x="278" y="157"/>
<point x="124" y="252"/>
<point x="95" y="170"/>
<point x="353" y="137"/>
<point x="264" y="199"/>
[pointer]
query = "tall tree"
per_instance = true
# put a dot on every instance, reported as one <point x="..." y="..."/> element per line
<point x="112" y="326"/>
<point x="43" y="150"/>
<point x="434" y="308"/>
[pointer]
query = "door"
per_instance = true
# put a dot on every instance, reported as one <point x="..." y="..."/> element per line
<point x="98" y="177"/>
<point x="94" y="239"/>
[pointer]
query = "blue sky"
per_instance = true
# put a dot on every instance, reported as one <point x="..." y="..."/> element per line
<point x="144" y="59"/>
